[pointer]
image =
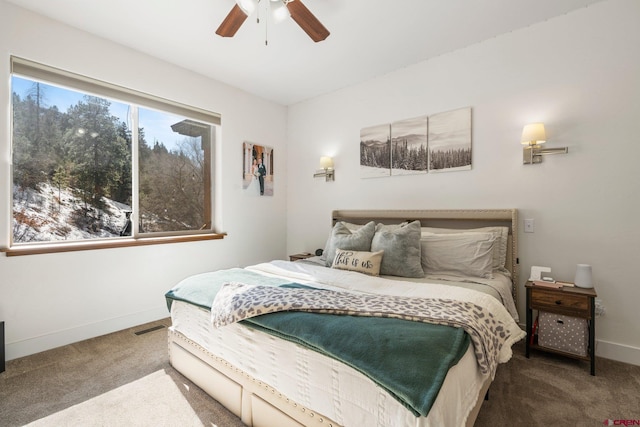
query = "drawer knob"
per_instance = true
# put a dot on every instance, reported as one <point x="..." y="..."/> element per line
<point x="558" y="302"/>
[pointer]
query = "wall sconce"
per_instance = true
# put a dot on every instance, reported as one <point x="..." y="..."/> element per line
<point x="326" y="163"/>
<point x="533" y="135"/>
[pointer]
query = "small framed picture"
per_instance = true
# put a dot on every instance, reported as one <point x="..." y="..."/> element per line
<point x="257" y="169"/>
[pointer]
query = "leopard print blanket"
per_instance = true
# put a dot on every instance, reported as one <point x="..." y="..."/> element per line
<point x="238" y="301"/>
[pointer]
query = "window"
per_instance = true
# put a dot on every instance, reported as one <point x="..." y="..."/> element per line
<point x="96" y="162"/>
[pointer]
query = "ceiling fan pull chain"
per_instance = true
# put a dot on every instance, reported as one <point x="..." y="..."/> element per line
<point x="258" y="13"/>
<point x="266" y="23"/>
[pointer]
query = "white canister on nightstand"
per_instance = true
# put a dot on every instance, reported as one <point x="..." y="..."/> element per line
<point x="583" y="277"/>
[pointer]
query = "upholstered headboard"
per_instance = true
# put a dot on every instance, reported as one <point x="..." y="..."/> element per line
<point x="459" y="219"/>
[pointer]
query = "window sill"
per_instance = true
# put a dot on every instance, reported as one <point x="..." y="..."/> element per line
<point x="49" y="248"/>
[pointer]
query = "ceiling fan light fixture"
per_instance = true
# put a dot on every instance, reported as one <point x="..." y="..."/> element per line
<point x="280" y="13"/>
<point x="296" y="10"/>
<point x="247" y="6"/>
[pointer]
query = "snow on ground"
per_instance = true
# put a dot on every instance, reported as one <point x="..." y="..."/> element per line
<point x="49" y="214"/>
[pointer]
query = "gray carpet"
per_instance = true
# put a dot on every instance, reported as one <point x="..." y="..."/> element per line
<point x="120" y="379"/>
<point x="550" y="390"/>
<point x="124" y="379"/>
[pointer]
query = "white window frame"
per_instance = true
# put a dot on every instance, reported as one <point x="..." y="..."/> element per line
<point x="31" y="70"/>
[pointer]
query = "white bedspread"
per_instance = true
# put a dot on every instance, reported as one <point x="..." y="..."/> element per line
<point x="308" y="272"/>
<point x="499" y="285"/>
<point x="330" y="387"/>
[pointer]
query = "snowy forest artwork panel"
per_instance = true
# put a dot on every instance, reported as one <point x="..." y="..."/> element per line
<point x="437" y="143"/>
<point x="375" y="151"/>
<point x="450" y="141"/>
<point x="409" y="146"/>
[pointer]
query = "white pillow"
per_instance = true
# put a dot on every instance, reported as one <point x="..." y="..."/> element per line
<point x="360" y="261"/>
<point x="459" y="254"/>
<point x="499" y="248"/>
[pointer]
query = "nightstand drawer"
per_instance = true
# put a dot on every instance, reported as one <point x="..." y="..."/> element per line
<point x="560" y="303"/>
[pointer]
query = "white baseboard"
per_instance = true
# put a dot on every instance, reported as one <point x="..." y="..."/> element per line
<point x="618" y="352"/>
<point x="55" y="339"/>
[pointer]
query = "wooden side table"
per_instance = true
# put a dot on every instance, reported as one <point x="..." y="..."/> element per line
<point x="297" y="257"/>
<point x="569" y="301"/>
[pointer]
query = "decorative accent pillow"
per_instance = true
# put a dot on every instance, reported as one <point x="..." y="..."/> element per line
<point x="342" y="237"/>
<point x="499" y="248"/>
<point x="401" y="246"/>
<point x="352" y="227"/>
<point x="461" y="254"/>
<point x="362" y="262"/>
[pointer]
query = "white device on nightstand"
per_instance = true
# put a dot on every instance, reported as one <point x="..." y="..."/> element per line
<point x="536" y="272"/>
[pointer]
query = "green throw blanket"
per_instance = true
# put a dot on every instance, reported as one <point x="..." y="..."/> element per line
<point x="410" y="360"/>
<point x="201" y="289"/>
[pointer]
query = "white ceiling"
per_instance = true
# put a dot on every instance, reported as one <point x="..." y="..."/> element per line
<point x="368" y="38"/>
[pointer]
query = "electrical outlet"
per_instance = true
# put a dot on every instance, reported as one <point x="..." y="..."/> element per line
<point x="528" y="225"/>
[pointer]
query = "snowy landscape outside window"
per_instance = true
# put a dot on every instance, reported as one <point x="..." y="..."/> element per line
<point x="88" y="166"/>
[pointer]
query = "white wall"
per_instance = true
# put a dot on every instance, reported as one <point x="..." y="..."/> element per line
<point x="51" y="300"/>
<point x="578" y="74"/>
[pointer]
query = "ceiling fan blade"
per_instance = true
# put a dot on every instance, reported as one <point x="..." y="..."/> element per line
<point x="307" y="21"/>
<point x="232" y="22"/>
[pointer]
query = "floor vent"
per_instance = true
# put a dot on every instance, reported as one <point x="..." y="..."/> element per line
<point x="146" y="331"/>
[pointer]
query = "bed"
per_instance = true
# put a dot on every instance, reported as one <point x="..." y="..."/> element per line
<point x="282" y="369"/>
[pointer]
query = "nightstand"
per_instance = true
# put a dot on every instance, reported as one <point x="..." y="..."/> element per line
<point x="297" y="257"/>
<point x="568" y="301"/>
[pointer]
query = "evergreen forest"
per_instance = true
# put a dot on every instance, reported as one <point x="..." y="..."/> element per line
<point x="87" y="151"/>
<point x="375" y="154"/>
<point x="450" y="158"/>
<point x="408" y="157"/>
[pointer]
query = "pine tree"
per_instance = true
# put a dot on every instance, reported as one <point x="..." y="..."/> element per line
<point x="97" y="151"/>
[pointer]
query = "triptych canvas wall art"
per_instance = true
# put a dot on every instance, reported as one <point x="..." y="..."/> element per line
<point x="437" y="143"/>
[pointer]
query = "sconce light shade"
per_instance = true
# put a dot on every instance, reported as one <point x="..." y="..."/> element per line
<point x="583" y="277"/>
<point x="533" y="134"/>
<point x="326" y="163"/>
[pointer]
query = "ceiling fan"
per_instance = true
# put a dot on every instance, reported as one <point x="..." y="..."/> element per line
<point x="298" y="11"/>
